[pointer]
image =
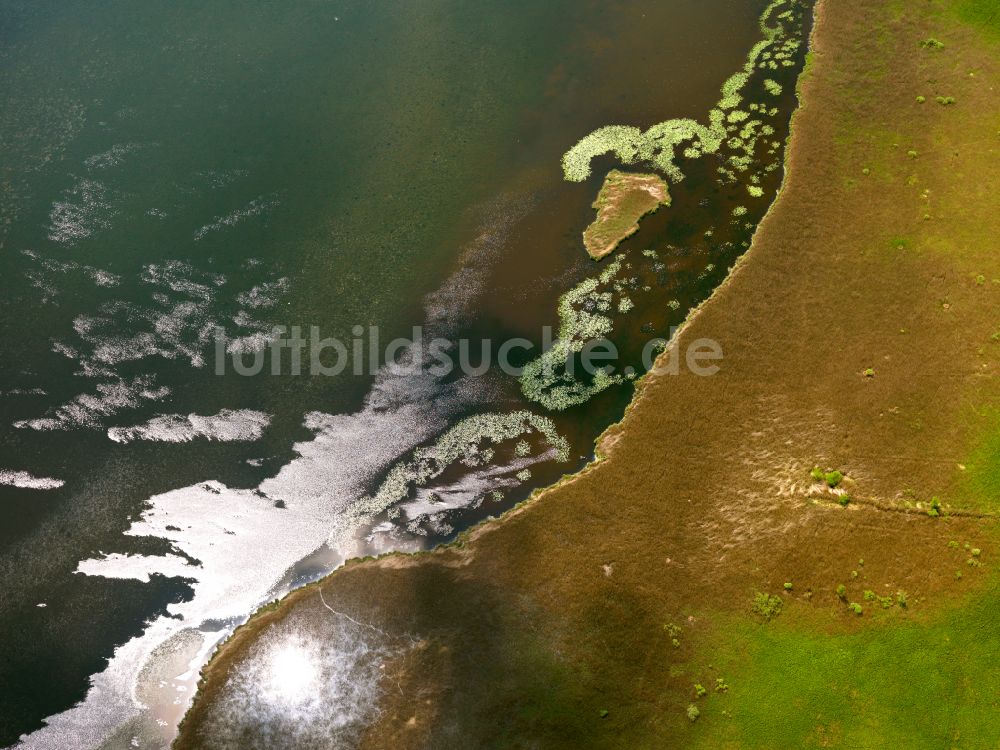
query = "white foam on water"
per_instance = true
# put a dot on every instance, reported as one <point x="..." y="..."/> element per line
<point x="86" y="208"/>
<point x="228" y="426"/>
<point x="114" y="155"/>
<point x="246" y="542"/>
<point x="177" y="322"/>
<point x="257" y="207"/>
<point x="28" y="481"/>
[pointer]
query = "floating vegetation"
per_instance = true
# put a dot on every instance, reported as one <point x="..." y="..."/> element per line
<point x="550" y="379"/>
<point x="471" y="442"/>
<point x="659" y="146"/>
<point x="740" y="132"/>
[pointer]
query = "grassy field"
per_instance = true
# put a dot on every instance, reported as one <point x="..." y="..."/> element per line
<point x="907" y="683"/>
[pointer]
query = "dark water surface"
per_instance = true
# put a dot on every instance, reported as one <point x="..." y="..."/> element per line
<point x="172" y="167"/>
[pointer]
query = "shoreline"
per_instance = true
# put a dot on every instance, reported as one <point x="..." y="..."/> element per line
<point x="277" y="610"/>
<point x="716" y="539"/>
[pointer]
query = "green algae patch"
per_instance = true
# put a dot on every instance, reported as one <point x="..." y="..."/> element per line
<point x="623" y="200"/>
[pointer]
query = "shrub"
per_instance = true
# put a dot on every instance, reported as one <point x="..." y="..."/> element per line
<point x="945" y="100"/>
<point x="693" y="713"/>
<point x="699" y="690"/>
<point x="901" y="598"/>
<point x="869" y="595"/>
<point x="856" y="608"/>
<point x="932" y="43"/>
<point x="842" y="592"/>
<point x="788" y="585"/>
<point x="720" y="685"/>
<point x="603" y="713"/>
<point x="766" y="606"/>
<point x="833" y="478"/>
<point x="869" y="372"/>
<point x="818" y="474"/>
<point x="935" y="510"/>
<point x="921" y="99"/>
<point x="844" y="500"/>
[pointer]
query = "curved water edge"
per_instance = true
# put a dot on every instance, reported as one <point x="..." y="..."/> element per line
<point x="382" y="477"/>
<point x="224" y="693"/>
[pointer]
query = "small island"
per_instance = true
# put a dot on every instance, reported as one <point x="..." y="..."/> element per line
<point x="624" y="199"/>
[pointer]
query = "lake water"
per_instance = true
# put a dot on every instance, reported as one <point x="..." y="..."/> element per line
<point x="169" y="169"/>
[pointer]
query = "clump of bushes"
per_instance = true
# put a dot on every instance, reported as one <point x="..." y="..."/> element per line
<point x="766" y="606"/>
<point x="673" y="631"/>
<point x="830" y="478"/>
<point x="856" y="608"/>
<point x="935" y="510"/>
<point x="944" y="101"/>
<point x="932" y="43"/>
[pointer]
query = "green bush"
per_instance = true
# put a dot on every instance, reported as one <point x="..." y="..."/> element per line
<point x="856" y="608"/>
<point x="766" y="606"/>
<point x="833" y="478"/>
<point x="932" y="43"/>
<point x="699" y="690"/>
<point x="693" y="713"/>
<point x="842" y="592"/>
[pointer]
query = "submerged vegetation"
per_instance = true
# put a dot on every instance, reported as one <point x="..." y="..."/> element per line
<point x="740" y="134"/>
<point x="472" y="442"/>
<point x="663" y="144"/>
